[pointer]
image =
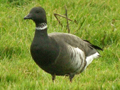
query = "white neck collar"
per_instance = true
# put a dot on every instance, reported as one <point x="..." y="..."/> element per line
<point x="42" y="26"/>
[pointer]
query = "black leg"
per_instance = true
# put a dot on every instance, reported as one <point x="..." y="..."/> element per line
<point x="53" y="77"/>
<point x="71" y="77"/>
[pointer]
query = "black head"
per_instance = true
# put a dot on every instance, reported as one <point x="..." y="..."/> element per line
<point x="38" y="15"/>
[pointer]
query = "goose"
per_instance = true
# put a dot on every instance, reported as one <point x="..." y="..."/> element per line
<point x="59" y="53"/>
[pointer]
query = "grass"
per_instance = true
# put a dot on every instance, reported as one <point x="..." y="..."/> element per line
<point x="98" y="21"/>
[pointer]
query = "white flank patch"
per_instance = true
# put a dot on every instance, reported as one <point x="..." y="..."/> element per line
<point x="80" y="52"/>
<point x="41" y="28"/>
<point x="77" y="59"/>
<point x="80" y="61"/>
<point x="89" y="59"/>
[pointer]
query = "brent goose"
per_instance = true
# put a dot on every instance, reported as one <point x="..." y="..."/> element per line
<point x="59" y="53"/>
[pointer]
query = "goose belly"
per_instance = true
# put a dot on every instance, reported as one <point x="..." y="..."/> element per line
<point x="71" y="61"/>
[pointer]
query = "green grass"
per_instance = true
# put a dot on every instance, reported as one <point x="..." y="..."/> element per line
<point x="94" y="17"/>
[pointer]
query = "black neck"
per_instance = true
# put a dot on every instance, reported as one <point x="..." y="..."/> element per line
<point x="39" y="24"/>
<point x="44" y="48"/>
<point x="41" y="35"/>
